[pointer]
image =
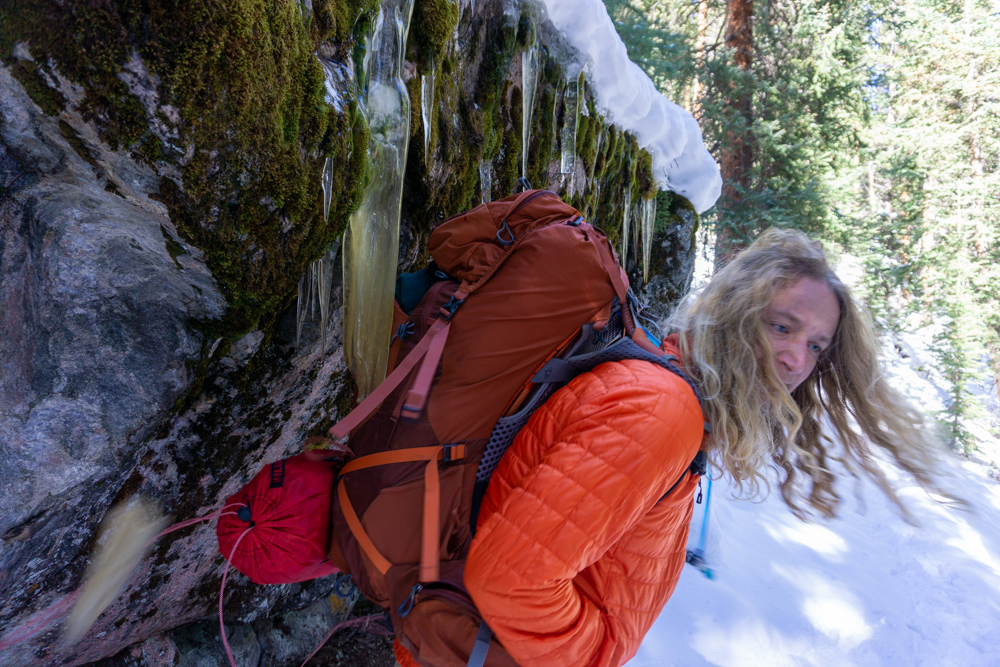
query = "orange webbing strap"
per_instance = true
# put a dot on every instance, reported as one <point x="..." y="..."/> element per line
<point x="342" y="429"/>
<point x="365" y="542"/>
<point x="429" y="565"/>
<point x="431" y="540"/>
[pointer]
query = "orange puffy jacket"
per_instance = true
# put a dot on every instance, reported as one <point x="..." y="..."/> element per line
<point x="576" y="554"/>
<point x="576" y="550"/>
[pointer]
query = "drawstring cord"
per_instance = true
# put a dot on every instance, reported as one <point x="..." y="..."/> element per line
<point x="40" y="621"/>
<point x="222" y="589"/>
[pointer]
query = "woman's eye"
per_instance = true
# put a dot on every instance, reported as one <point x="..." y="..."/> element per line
<point x="815" y="348"/>
<point x="780" y="328"/>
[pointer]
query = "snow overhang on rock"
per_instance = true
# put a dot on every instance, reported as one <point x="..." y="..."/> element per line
<point x="628" y="98"/>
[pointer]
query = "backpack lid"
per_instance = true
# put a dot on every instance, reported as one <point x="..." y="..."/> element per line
<point x="466" y="246"/>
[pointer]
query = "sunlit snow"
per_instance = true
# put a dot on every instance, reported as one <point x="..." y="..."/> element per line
<point x="865" y="589"/>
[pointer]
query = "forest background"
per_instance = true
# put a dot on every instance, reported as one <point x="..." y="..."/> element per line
<point x="874" y="126"/>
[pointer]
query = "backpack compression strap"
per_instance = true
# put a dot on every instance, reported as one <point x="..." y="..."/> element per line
<point x="430" y="346"/>
<point x="429" y="562"/>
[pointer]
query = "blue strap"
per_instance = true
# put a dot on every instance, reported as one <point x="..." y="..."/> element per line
<point x="478" y="656"/>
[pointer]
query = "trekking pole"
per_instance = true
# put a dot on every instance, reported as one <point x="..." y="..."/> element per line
<point x="696" y="556"/>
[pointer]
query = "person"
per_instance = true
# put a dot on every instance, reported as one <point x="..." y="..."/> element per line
<point x="580" y="539"/>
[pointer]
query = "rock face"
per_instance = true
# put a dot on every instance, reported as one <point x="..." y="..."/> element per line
<point x="147" y="305"/>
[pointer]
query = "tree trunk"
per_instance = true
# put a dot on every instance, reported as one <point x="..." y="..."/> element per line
<point x="697" y="90"/>
<point x="737" y="154"/>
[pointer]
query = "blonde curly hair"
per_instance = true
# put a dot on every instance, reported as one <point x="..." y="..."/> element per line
<point x="756" y="422"/>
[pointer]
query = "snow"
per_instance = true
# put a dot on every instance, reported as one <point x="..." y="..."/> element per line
<point x="628" y="98"/>
<point x="864" y="589"/>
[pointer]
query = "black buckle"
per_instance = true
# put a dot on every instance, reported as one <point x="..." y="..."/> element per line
<point x="575" y="222"/>
<point x="699" y="466"/>
<point x="446" y="456"/>
<point x="449" y="308"/>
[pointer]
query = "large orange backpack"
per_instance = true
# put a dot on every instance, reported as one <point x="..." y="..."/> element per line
<point x="535" y="296"/>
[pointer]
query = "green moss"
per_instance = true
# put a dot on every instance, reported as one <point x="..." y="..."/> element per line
<point x="431" y="27"/>
<point x="335" y="20"/>
<point x="50" y="100"/>
<point x="644" y="181"/>
<point x="174" y="249"/>
<point x="251" y="99"/>
<point x="74" y="140"/>
<point x="543" y="120"/>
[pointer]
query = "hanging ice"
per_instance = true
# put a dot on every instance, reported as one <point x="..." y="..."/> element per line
<point x="371" y="242"/>
<point x="314" y="291"/>
<point x="486" y="180"/>
<point x="628" y="98"/>
<point x="648" y="222"/>
<point x="427" y="106"/>
<point x="327" y="184"/>
<point x="571" y="113"/>
<point x="529" y="85"/>
<point x="626" y="218"/>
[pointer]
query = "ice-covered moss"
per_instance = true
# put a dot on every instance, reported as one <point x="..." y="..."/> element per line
<point x="243" y="97"/>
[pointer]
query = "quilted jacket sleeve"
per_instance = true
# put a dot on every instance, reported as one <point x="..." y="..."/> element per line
<point x="573" y="492"/>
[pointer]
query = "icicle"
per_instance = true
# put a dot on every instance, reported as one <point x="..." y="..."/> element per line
<point x="626" y="218"/>
<point x="327" y="183"/>
<point x="324" y="280"/>
<point x="648" y="222"/>
<point x="529" y="86"/>
<point x="427" y="106"/>
<point x="486" y="180"/>
<point x="371" y="242"/>
<point x="571" y="113"/>
<point x="300" y="310"/>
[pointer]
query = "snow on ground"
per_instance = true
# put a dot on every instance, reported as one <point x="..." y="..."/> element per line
<point x="864" y="589"/>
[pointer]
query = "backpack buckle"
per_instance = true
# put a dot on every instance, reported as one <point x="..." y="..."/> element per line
<point x="448" y="309"/>
<point x="452" y="453"/>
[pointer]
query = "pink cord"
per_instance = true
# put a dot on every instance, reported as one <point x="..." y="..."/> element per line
<point x="222" y="589"/>
<point x="42" y="620"/>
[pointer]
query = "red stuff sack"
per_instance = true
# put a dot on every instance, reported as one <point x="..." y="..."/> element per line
<point x="283" y="523"/>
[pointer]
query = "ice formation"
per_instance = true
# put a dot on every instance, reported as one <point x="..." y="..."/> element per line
<point x="529" y="86"/>
<point x="371" y="242"/>
<point x="571" y="113"/>
<point x="628" y="98"/>
<point x="427" y="106"/>
<point x="626" y="219"/>
<point x="648" y="216"/>
<point x="486" y="180"/>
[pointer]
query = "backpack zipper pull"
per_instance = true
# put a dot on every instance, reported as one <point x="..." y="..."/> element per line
<point x="408" y="603"/>
<point x="699" y="498"/>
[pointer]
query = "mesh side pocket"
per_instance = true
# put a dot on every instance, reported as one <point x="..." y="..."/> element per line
<point x="505" y="430"/>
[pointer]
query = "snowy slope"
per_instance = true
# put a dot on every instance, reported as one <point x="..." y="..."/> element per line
<point x="864" y="589"/>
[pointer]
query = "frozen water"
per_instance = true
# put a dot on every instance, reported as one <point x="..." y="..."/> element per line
<point x="529" y="86"/>
<point x="571" y="114"/>
<point x="626" y="219"/>
<point x="371" y="242"/>
<point x="486" y="180"/>
<point x="327" y="185"/>
<point x="648" y="221"/>
<point x="427" y="106"/>
<point x="627" y="97"/>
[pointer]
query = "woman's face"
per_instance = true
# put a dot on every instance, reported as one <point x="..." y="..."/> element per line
<point x="801" y="321"/>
